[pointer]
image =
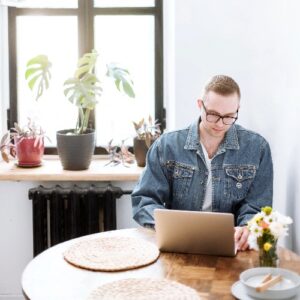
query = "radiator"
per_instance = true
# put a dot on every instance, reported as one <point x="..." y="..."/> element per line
<point x="61" y="213"/>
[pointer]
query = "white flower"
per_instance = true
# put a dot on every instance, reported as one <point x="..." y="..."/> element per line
<point x="278" y="229"/>
<point x="262" y="224"/>
<point x="255" y="229"/>
<point x="252" y="241"/>
<point x="260" y="215"/>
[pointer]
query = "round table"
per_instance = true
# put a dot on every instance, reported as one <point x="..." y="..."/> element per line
<point x="49" y="276"/>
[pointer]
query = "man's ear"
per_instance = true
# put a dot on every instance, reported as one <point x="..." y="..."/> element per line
<point x="199" y="103"/>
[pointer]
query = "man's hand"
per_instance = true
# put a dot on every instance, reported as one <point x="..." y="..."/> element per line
<point x="241" y="238"/>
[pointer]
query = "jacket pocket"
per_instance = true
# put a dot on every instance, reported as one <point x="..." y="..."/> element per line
<point x="238" y="180"/>
<point x="180" y="175"/>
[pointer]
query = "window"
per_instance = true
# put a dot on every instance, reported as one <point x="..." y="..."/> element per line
<point x="125" y="31"/>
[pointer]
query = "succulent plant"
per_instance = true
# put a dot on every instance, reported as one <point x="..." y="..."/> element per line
<point x="31" y="130"/>
<point x="147" y="130"/>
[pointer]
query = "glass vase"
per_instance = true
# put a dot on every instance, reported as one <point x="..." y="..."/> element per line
<point x="268" y="255"/>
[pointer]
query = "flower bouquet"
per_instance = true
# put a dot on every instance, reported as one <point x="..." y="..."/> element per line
<point x="265" y="229"/>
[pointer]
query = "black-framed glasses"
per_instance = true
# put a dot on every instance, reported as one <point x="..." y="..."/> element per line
<point x="214" y="118"/>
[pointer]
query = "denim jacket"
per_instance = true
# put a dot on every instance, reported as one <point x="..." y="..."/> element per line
<point x="175" y="175"/>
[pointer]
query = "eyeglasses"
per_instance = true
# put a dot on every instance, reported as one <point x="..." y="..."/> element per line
<point x="214" y="118"/>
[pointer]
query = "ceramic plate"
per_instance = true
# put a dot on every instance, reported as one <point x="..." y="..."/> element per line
<point x="239" y="292"/>
<point x="285" y="289"/>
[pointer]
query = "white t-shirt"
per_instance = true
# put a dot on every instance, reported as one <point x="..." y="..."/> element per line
<point x="207" y="203"/>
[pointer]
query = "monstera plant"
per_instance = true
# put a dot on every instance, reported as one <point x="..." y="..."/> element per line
<point x="26" y="143"/>
<point x="76" y="146"/>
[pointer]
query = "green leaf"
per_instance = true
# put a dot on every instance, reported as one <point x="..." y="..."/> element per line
<point x="128" y="89"/>
<point x="122" y="78"/>
<point x="86" y="64"/>
<point x="31" y="71"/>
<point x="33" y="80"/>
<point x="83" y="92"/>
<point x="38" y="74"/>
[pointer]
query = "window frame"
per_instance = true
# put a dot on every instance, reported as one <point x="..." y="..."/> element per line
<point x="86" y="14"/>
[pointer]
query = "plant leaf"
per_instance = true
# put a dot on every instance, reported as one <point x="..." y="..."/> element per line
<point x="148" y="139"/>
<point x="31" y="71"/>
<point x="17" y="127"/>
<point x="38" y="74"/>
<point x="33" y="80"/>
<point x="5" y="156"/>
<point x="122" y="79"/>
<point x="83" y="92"/>
<point x="141" y="123"/>
<point x="128" y="88"/>
<point x="86" y="64"/>
<point x="5" y="139"/>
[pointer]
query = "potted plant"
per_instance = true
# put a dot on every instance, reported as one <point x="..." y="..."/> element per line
<point x="146" y="133"/>
<point x="76" y="146"/>
<point x="119" y="154"/>
<point x="27" y="142"/>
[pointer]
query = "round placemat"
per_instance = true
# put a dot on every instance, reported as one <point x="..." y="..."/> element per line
<point x="144" y="289"/>
<point x="112" y="253"/>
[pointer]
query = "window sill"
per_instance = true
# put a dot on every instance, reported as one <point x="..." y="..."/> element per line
<point x="51" y="170"/>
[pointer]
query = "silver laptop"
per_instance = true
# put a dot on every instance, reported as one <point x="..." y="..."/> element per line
<point x="195" y="232"/>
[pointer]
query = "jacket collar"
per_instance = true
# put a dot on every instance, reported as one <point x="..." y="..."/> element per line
<point x="193" y="139"/>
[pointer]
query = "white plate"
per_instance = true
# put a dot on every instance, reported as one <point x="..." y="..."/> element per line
<point x="285" y="289"/>
<point x="238" y="291"/>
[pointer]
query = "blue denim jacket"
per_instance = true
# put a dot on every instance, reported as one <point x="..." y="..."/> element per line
<point x="175" y="175"/>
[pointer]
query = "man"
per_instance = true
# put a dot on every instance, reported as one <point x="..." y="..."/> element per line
<point x="213" y="165"/>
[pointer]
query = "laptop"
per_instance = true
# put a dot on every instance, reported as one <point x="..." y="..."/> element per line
<point x="195" y="232"/>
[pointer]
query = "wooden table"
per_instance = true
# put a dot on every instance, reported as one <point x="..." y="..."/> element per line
<point x="49" y="276"/>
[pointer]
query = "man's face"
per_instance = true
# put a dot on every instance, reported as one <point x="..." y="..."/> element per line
<point x="218" y="105"/>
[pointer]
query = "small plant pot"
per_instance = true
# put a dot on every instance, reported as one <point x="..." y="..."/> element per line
<point x="75" y="150"/>
<point x="29" y="151"/>
<point x="140" y="151"/>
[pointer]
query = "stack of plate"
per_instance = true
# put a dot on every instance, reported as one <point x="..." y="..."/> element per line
<point x="287" y="288"/>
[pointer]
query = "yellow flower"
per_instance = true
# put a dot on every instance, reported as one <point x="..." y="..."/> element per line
<point x="258" y="219"/>
<point x="267" y="210"/>
<point x="267" y="246"/>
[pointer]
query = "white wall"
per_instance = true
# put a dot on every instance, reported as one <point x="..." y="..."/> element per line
<point x="16" y="244"/>
<point x="258" y="44"/>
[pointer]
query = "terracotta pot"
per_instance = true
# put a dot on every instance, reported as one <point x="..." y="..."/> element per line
<point x="29" y="154"/>
<point x="140" y="151"/>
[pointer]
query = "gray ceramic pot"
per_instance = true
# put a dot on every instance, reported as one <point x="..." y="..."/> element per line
<point x="75" y="150"/>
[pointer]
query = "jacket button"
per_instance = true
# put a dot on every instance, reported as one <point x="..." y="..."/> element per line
<point x="240" y="176"/>
<point x="239" y="185"/>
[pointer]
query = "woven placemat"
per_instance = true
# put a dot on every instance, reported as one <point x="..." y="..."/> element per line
<point x="144" y="289"/>
<point x="112" y="253"/>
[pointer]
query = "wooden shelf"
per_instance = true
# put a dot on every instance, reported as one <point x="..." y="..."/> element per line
<point x="51" y="170"/>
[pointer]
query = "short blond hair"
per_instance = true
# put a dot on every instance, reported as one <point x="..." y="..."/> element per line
<point x="222" y="85"/>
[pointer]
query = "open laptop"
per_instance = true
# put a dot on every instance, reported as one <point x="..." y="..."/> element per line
<point x="195" y="232"/>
